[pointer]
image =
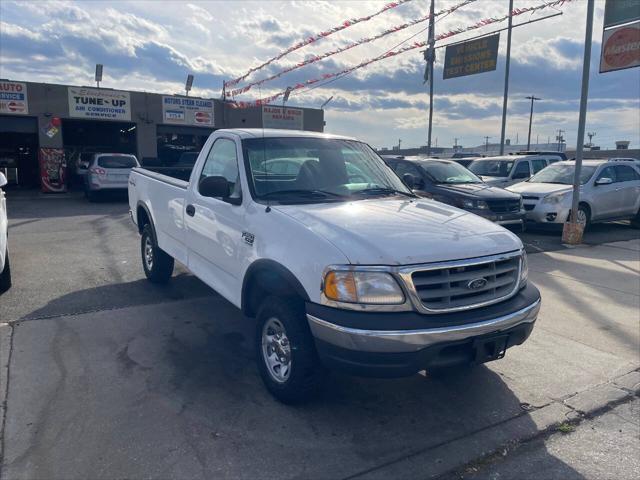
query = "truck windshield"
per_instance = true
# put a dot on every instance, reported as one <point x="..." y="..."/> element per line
<point x="295" y="170"/>
<point x="448" y="172"/>
<point x="562" y="174"/>
<point x="492" y="168"/>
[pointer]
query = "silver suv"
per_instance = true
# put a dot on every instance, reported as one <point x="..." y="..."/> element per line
<point x="108" y="171"/>
<point x="610" y="190"/>
<point x="509" y="169"/>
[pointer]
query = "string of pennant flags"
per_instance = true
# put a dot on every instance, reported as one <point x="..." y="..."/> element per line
<point x="313" y="38"/>
<point x="317" y="58"/>
<point x="327" y="76"/>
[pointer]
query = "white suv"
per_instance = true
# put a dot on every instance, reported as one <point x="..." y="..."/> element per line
<point x="108" y="171"/>
<point x="5" y="271"/>
<point x="610" y="190"/>
<point x="509" y="169"/>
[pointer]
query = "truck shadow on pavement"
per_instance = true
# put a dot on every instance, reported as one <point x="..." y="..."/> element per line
<point x="171" y="390"/>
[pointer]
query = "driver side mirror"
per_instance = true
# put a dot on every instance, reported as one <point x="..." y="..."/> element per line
<point x="604" y="181"/>
<point x="412" y="181"/>
<point x="3" y="180"/>
<point x="217" y="187"/>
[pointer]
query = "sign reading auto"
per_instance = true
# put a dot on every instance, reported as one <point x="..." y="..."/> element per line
<point x="99" y="104"/>
<point x="278" y="117"/>
<point x="187" y="111"/>
<point x="13" y="98"/>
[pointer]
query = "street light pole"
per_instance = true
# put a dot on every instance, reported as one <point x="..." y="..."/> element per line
<point x="572" y="232"/>
<point x="532" y="98"/>
<point x="430" y="54"/>
<point x="506" y="80"/>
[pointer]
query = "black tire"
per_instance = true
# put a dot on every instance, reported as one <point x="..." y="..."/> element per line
<point x="587" y="211"/>
<point x="92" y="196"/>
<point x="159" y="267"/>
<point x="306" y="374"/>
<point x="635" y="221"/>
<point x="5" y="276"/>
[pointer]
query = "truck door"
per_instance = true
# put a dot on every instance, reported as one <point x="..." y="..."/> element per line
<point x="214" y="226"/>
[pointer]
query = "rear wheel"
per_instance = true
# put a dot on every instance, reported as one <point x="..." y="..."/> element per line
<point x="635" y="221"/>
<point x="285" y="351"/>
<point x="5" y="275"/>
<point x="157" y="264"/>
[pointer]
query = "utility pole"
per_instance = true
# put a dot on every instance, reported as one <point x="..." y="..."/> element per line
<point x="533" y="99"/>
<point x="537" y="140"/>
<point x="455" y="144"/>
<point x="506" y="80"/>
<point x="572" y="232"/>
<point x="560" y="139"/>
<point x="399" y="143"/>
<point x="486" y="143"/>
<point x="430" y="56"/>
<point x="591" y="135"/>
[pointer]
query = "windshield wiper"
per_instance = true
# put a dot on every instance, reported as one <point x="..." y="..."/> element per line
<point x="384" y="191"/>
<point x="302" y="192"/>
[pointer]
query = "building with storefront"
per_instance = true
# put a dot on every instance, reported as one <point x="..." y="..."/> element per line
<point x="46" y="128"/>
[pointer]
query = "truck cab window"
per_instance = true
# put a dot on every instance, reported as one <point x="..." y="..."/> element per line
<point x="222" y="161"/>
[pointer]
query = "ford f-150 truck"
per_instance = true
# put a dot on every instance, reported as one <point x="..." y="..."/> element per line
<point x="340" y="264"/>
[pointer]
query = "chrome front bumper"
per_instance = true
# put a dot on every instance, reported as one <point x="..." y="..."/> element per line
<point x="385" y="341"/>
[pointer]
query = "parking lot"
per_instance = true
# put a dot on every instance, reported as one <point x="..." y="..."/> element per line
<point x="105" y="375"/>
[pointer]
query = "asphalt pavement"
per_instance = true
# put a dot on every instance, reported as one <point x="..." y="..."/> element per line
<point x="104" y="375"/>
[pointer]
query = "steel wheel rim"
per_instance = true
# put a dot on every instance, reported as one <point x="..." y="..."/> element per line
<point x="276" y="350"/>
<point x="148" y="253"/>
<point x="581" y="218"/>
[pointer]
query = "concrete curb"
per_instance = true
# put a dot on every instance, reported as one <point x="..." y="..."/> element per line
<point x="6" y="331"/>
<point x="499" y="439"/>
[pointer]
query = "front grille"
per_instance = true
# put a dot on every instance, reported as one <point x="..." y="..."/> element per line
<point x="528" y="197"/>
<point x="450" y="288"/>
<point x="504" y="206"/>
<point x="528" y="207"/>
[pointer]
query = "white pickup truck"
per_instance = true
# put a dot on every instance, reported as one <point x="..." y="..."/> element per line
<point x="338" y="261"/>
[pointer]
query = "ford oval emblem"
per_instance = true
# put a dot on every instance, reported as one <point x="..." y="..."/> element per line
<point x="476" y="283"/>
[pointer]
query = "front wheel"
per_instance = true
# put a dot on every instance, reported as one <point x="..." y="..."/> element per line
<point x="285" y="351"/>
<point x="157" y="264"/>
<point x="5" y="275"/>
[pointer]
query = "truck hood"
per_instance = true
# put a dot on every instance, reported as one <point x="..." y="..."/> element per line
<point x="478" y="191"/>
<point x="402" y="232"/>
<point x="538" y="189"/>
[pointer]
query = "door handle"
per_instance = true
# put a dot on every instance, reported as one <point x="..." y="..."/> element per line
<point x="191" y="210"/>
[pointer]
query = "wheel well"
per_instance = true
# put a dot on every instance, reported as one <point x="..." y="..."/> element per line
<point x="142" y="217"/>
<point x="269" y="278"/>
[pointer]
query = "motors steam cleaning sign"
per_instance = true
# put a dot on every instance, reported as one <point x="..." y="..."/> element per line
<point x="99" y="104"/>
<point x="469" y="58"/>
<point x="13" y="98"/>
<point x="187" y="111"/>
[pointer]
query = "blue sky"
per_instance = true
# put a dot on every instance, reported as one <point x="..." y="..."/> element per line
<point x="147" y="45"/>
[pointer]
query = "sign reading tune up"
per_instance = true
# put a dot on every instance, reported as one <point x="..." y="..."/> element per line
<point x="469" y="58"/>
<point x="99" y="104"/>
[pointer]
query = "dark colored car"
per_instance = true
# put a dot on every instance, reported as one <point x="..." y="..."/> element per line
<point x="448" y="182"/>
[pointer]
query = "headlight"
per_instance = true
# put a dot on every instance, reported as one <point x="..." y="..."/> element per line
<point x="474" y="204"/>
<point x="524" y="269"/>
<point x="556" y="198"/>
<point x="373" y="288"/>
